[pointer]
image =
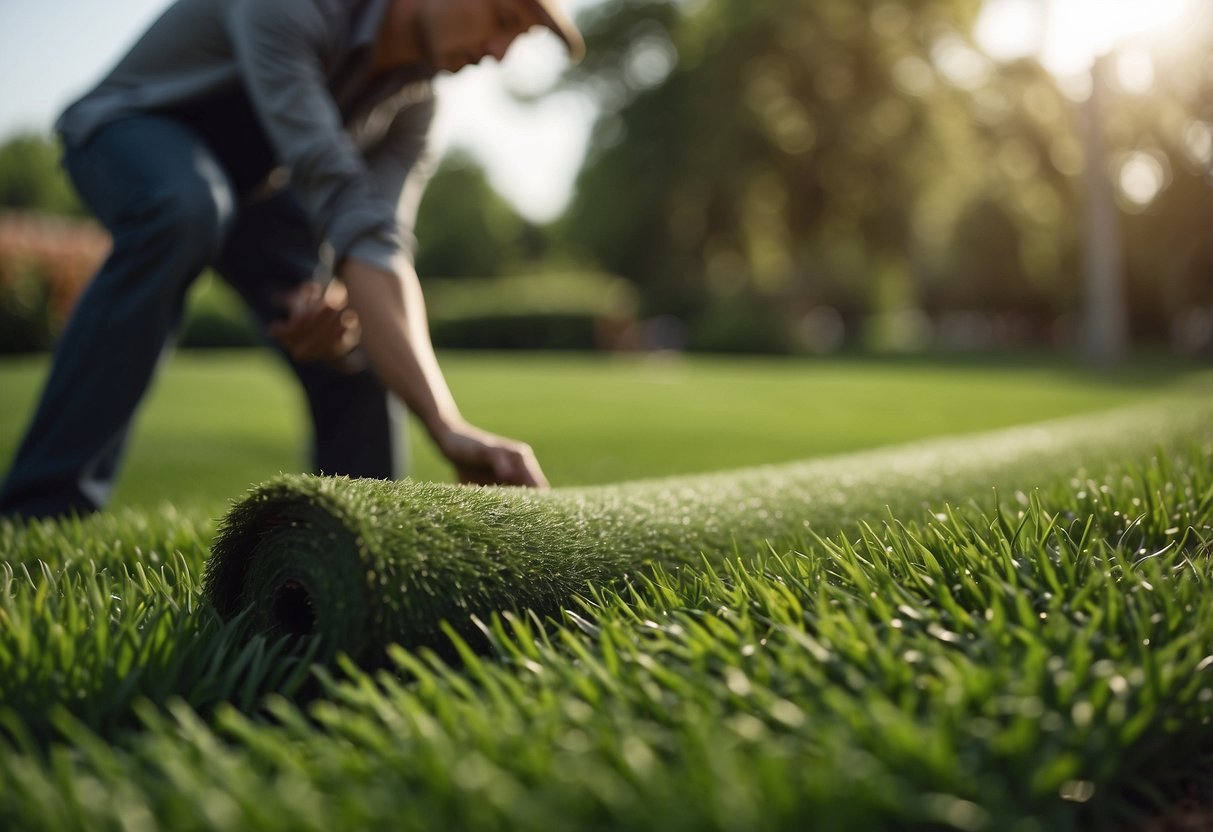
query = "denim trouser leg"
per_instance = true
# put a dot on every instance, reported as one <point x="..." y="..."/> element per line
<point x="172" y="211"/>
<point x="357" y="430"/>
<point x="167" y="203"/>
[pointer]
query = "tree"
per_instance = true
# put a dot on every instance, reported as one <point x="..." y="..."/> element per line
<point x="31" y="178"/>
<point x="779" y="154"/>
<point x="464" y="228"/>
<point x="864" y="154"/>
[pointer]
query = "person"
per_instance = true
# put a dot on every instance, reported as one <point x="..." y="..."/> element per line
<point x="284" y="144"/>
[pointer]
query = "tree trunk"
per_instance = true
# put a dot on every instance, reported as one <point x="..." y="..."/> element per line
<point x="1104" y="325"/>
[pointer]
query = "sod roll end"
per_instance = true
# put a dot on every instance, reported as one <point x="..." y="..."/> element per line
<point x="363" y="563"/>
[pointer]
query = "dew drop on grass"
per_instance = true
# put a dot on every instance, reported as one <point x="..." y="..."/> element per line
<point x="747" y="727"/>
<point x="737" y="682"/>
<point x="957" y="813"/>
<point x="575" y="740"/>
<point x="1077" y="791"/>
<point x="787" y="713"/>
<point x="638" y="755"/>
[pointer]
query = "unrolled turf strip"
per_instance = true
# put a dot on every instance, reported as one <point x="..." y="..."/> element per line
<point x="366" y="563"/>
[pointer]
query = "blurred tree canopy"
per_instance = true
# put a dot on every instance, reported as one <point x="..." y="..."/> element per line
<point x="32" y="180"/>
<point x="865" y="155"/>
<point x="466" y="229"/>
<point x="760" y="167"/>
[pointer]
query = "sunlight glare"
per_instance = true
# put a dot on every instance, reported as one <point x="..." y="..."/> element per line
<point x="1142" y="176"/>
<point x="1198" y="143"/>
<point x="1008" y="30"/>
<point x="1079" y="31"/>
<point x="1135" y="70"/>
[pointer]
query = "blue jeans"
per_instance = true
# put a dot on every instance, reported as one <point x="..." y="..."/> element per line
<point x="173" y="211"/>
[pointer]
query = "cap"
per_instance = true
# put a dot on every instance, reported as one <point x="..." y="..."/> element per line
<point x="552" y="14"/>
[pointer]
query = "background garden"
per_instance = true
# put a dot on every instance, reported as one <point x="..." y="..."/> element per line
<point x="803" y="233"/>
<point x="794" y="178"/>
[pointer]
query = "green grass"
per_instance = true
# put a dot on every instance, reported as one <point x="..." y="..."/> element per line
<point x="366" y="563"/>
<point x="1035" y="659"/>
<point x="1039" y="666"/>
<point x="218" y="422"/>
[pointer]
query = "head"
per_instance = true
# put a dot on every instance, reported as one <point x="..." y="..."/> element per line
<point x="454" y="33"/>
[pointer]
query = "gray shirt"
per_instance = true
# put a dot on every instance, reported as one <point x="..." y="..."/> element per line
<point x="354" y="146"/>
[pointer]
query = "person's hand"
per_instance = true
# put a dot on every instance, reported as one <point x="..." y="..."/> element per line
<point x="319" y="325"/>
<point x="481" y="458"/>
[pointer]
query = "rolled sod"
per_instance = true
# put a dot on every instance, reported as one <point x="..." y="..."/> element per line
<point x="367" y="563"/>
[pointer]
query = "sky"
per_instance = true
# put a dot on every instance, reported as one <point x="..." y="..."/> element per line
<point x="53" y="50"/>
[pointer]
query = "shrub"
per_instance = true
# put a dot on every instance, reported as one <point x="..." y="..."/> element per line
<point x="555" y="310"/>
<point x="25" y="318"/>
<point x="508" y="331"/>
<point x="745" y="325"/>
<point x="216" y="317"/>
<point x="62" y="253"/>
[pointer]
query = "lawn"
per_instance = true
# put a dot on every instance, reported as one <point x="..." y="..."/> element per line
<point x="218" y="422"/>
<point x="929" y="653"/>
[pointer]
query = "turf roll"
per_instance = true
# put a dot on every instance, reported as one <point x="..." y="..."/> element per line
<point x="367" y="563"/>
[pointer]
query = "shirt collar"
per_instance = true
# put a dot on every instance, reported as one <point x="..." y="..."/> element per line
<point x="367" y="21"/>
<point x="365" y="30"/>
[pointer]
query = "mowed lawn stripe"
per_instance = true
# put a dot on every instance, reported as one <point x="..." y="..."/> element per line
<point x="217" y="422"/>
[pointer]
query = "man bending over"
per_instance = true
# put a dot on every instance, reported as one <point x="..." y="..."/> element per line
<point x="279" y="142"/>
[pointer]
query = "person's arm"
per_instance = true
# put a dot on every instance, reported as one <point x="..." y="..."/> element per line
<point x="284" y="50"/>
<point x="364" y="211"/>
<point x="396" y="340"/>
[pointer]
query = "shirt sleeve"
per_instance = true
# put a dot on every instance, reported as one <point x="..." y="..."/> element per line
<point x="281" y="47"/>
<point x="400" y="167"/>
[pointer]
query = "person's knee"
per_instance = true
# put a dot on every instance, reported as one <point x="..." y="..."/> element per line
<point x="192" y="217"/>
<point x="161" y="245"/>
